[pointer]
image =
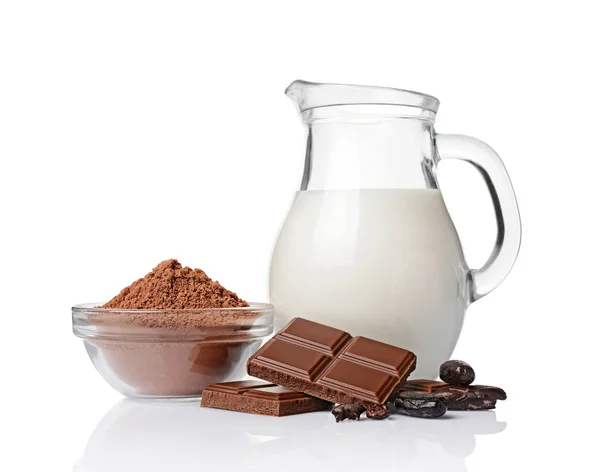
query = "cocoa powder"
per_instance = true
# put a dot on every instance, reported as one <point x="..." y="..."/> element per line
<point x="169" y="301"/>
<point x="171" y="286"/>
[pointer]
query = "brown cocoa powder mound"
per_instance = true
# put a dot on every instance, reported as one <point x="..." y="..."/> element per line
<point x="171" y="286"/>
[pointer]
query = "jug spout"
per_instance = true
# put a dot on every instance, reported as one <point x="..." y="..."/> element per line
<point x="308" y="95"/>
<point x="296" y="91"/>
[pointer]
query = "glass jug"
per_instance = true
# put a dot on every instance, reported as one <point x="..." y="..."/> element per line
<point x="368" y="245"/>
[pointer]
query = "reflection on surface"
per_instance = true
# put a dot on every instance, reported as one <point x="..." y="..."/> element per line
<point x="148" y="436"/>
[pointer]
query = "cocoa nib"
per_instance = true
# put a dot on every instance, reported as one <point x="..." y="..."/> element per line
<point x="378" y="412"/>
<point x="347" y="411"/>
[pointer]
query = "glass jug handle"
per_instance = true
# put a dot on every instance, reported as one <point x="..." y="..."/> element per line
<point x="488" y="163"/>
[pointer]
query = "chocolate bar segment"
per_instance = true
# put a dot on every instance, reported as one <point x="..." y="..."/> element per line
<point x="262" y="398"/>
<point x="423" y="385"/>
<point x="329" y="364"/>
<point x="327" y="340"/>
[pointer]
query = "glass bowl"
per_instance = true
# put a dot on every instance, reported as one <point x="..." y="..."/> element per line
<point x="171" y="353"/>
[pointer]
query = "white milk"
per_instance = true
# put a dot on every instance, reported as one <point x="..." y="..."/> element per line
<point x="385" y="264"/>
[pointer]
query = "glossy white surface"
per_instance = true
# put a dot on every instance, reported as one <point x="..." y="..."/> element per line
<point x="136" y="435"/>
<point x="96" y="431"/>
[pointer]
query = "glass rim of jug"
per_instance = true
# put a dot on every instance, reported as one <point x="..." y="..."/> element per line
<point x="313" y="95"/>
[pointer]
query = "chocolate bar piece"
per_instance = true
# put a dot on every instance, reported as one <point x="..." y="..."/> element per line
<point x="330" y="364"/>
<point x="261" y="398"/>
<point x="423" y="385"/>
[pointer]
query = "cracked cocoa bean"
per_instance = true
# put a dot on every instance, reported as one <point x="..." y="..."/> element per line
<point x="378" y="412"/>
<point x="474" y="404"/>
<point x="457" y="373"/>
<point x="347" y="412"/>
<point x="465" y="398"/>
<point x="420" y="405"/>
<point x="495" y="393"/>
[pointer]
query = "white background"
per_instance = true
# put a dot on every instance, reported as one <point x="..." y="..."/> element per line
<point x="131" y="132"/>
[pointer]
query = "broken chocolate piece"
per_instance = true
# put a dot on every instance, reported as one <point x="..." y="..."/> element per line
<point x="262" y="398"/>
<point x="422" y="385"/>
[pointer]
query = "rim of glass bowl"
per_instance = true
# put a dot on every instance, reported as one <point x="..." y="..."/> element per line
<point x="112" y="324"/>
